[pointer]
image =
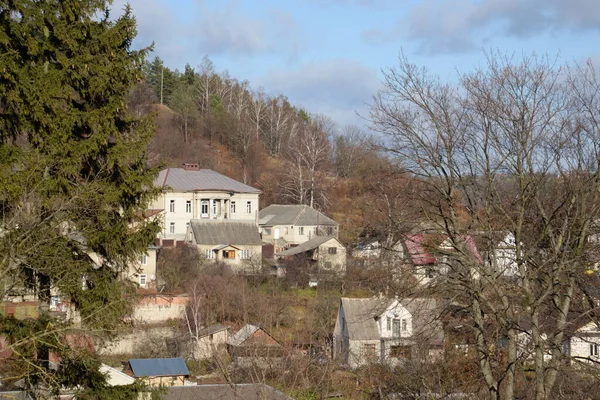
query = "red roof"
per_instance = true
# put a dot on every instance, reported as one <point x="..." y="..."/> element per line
<point x="416" y="250"/>
<point x="419" y="245"/>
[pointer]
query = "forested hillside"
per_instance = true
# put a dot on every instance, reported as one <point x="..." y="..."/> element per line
<point x="206" y="116"/>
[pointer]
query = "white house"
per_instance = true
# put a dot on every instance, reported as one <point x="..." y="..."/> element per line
<point x="191" y="193"/>
<point x="294" y="224"/>
<point x="381" y="330"/>
<point x="583" y="345"/>
<point x="210" y="340"/>
<point x="143" y="269"/>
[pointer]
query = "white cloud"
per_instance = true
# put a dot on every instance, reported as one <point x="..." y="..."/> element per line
<point x="459" y="25"/>
<point x="338" y="88"/>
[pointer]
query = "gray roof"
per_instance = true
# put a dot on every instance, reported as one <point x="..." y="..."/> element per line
<point x="307" y="246"/>
<point x="242" y="335"/>
<point x="181" y="180"/>
<point x="245" y="391"/>
<point x="301" y="215"/>
<point x="212" y="329"/>
<point x="360" y="317"/>
<point x="225" y="232"/>
<point x="158" y="367"/>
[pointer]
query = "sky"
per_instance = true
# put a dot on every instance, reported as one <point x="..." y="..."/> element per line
<point x="326" y="56"/>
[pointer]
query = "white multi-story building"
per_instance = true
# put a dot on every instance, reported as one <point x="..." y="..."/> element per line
<point x="191" y="193"/>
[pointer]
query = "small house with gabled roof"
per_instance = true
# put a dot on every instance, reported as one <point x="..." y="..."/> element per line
<point x="321" y="255"/>
<point x="158" y="371"/>
<point x="390" y="331"/>
<point x="253" y="341"/>
<point x="294" y="224"/>
<point x="210" y="340"/>
<point x="236" y="243"/>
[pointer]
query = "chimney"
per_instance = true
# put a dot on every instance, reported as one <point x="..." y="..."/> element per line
<point x="191" y="167"/>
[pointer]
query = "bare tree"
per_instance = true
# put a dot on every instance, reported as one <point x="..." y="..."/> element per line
<point x="512" y="148"/>
<point x="307" y="157"/>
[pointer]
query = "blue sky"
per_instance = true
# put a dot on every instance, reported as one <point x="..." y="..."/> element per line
<point x="326" y="55"/>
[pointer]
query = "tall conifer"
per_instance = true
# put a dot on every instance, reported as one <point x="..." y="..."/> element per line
<point x="73" y="177"/>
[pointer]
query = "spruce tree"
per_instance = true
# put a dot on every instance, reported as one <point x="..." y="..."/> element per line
<point x="74" y="180"/>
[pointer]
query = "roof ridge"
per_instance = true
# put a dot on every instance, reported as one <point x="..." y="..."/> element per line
<point x="166" y="176"/>
<point x="300" y="213"/>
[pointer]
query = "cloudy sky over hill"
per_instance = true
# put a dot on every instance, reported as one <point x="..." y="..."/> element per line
<point x="326" y="55"/>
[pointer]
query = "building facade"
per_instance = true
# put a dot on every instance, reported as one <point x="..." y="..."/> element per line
<point x="190" y="193"/>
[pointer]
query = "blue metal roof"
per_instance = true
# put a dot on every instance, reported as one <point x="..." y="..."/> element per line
<point x="158" y="367"/>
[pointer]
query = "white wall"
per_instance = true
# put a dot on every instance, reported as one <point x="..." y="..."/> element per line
<point x="180" y="217"/>
<point x="337" y="260"/>
<point x="208" y="346"/>
<point x="395" y="311"/>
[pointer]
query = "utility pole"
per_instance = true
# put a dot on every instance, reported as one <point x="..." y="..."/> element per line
<point x="162" y="72"/>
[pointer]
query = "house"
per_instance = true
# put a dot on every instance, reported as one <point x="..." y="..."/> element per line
<point x="190" y="193"/>
<point x="323" y="255"/>
<point x="143" y="269"/>
<point x="253" y="342"/>
<point x="381" y="330"/>
<point x="209" y="340"/>
<point x="231" y="391"/>
<point x="368" y="250"/>
<point x="432" y="255"/>
<point x="499" y="251"/>
<point x="236" y="243"/>
<point x="286" y="225"/>
<point x="583" y="341"/>
<point x="159" y="371"/>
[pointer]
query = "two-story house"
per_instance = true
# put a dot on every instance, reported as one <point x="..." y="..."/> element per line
<point x="289" y="225"/>
<point x="382" y="330"/>
<point x="190" y="193"/>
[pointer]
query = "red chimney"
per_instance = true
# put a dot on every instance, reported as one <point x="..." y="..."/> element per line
<point x="191" y="167"/>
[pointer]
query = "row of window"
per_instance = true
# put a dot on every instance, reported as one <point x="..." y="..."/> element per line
<point x="243" y="254"/>
<point x="204" y="206"/>
<point x="286" y="231"/>
<point x="396" y="326"/>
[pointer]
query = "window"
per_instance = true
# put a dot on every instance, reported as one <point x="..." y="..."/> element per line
<point x="172" y="227"/>
<point x="287" y="231"/>
<point x="209" y="254"/>
<point x="229" y="254"/>
<point x="142" y="280"/>
<point x="268" y="231"/>
<point x="204" y="208"/>
<point x="144" y="259"/>
<point x="404" y="324"/>
<point x="594" y="349"/>
<point x="172" y="206"/>
<point x="301" y="230"/>
<point x="233" y="207"/>
<point x="329" y="231"/>
<point x="244" y="254"/>
<point x="389" y="324"/>
<point x="396" y="328"/>
<point x="332" y="250"/>
<point x="400" y="352"/>
<point x="249" y="207"/>
<point x="188" y="206"/>
<point x="214" y="207"/>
